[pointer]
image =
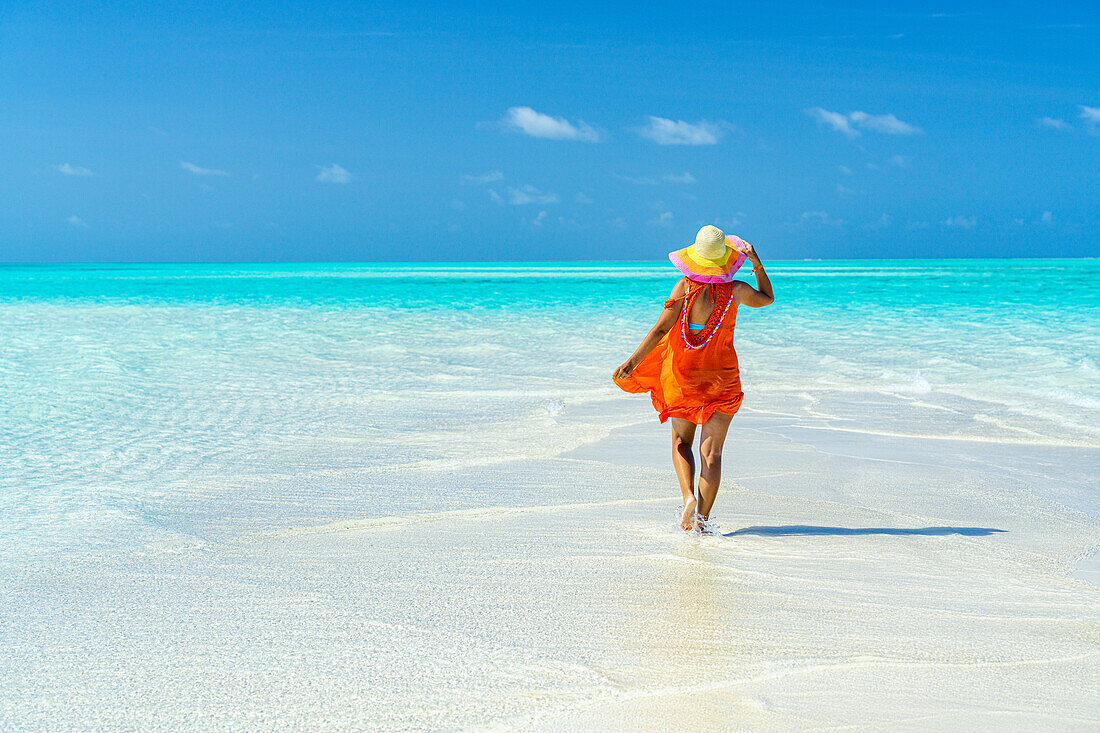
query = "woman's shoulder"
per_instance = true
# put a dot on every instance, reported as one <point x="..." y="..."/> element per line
<point x="682" y="286"/>
<point x="679" y="290"/>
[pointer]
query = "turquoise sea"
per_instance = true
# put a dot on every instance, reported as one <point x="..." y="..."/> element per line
<point x="408" y="497"/>
<point x="125" y="389"/>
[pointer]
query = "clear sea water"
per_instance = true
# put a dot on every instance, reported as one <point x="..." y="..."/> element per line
<point x="145" y="402"/>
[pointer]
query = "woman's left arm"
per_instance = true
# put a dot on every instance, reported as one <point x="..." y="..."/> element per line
<point x="762" y="294"/>
<point x="664" y="324"/>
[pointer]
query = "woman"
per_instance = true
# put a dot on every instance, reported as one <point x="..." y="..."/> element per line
<point x="687" y="362"/>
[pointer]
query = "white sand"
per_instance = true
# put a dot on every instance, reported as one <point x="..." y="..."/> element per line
<point x="866" y="580"/>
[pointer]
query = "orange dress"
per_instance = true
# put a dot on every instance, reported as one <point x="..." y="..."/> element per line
<point x="693" y="376"/>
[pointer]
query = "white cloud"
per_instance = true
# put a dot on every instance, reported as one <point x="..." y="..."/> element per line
<point x="678" y="132"/>
<point x="530" y="195"/>
<point x="901" y="161"/>
<point x="887" y="124"/>
<point x="1053" y="123"/>
<point x="496" y="196"/>
<point x="1047" y="217"/>
<point x="1091" y="116"/>
<point x="191" y="167"/>
<point x="457" y="205"/>
<point x="962" y="222"/>
<point x="490" y="177"/>
<point x="77" y="222"/>
<point x="73" y="170"/>
<point x="536" y="124"/>
<point x="844" y="169"/>
<point x="664" y="219"/>
<point x="540" y="218"/>
<point x="585" y="199"/>
<point x="684" y="177"/>
<point x="835" y="120"/>
<point x="332" y="174"/>
<point x="883" y="222"/>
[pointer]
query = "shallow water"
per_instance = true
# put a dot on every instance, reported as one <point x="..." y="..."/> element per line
<point x="126" y="390"/>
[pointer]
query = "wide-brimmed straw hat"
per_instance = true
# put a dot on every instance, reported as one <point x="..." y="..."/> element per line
<point x="713" y="258"/>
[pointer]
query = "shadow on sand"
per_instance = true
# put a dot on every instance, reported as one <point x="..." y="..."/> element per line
<point x="793" y="529"/>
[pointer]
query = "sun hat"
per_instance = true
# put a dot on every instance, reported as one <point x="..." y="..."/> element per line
<point x="713" y="258"/>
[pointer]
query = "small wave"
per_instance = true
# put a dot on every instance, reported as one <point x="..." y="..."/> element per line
<point x="914" y="384"/>
<point x="1075" y="399"/>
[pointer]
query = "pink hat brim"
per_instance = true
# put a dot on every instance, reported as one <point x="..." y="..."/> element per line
<point x="727" y="276"/>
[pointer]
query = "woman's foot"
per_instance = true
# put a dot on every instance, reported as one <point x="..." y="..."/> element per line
<point x="687" y="520"/>
<point x="702" y="525"/>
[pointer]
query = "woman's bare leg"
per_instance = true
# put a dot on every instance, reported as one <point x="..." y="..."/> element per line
<point x="683" y="435"/>
<point x="711" y="440"/>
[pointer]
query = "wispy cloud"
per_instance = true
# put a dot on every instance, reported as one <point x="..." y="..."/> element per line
<point x="332" y="174"/>
<point x="582" y="198"/>
<point x="725" y="223"/>
<point x="683" y="178"/>
<point x="73" y="170"/>
<point x="677" y="132"/>
<point x="1047" y="217"/>
<point x="835" y="120"/>
<point x="490" y="177"/>
<point x="530" y="195"/>
<point x="851" y="123"/>
<point x="1091" y="116"/>
<point x="887" y="124"/>
<point x="1052" y="123"/>
<point x="192" y="168"/>
<point x="663" y="220"/>
<point x="77" y="222"/>
<point x="883" y="222"/>
<point x="961" y="222"/>
<point x="537" y="124"/>
<point x="817" y="218"/>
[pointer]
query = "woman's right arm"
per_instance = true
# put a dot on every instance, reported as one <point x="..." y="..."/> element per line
<point x="664" y="324"/>
<point x="762" y="294"/>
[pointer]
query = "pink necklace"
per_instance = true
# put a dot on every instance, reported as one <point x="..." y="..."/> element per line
<point x="713" y="329"/>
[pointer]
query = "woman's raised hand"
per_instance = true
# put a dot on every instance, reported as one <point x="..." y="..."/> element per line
<point x="750" y="252"/>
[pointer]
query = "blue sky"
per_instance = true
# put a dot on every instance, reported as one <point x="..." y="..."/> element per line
<point x="413" y="131"/>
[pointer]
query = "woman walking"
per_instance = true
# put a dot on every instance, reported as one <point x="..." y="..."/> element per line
<point x="687" y="362"/>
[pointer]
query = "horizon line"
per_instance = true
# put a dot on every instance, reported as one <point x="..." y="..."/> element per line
<point x="424" y="263"/>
